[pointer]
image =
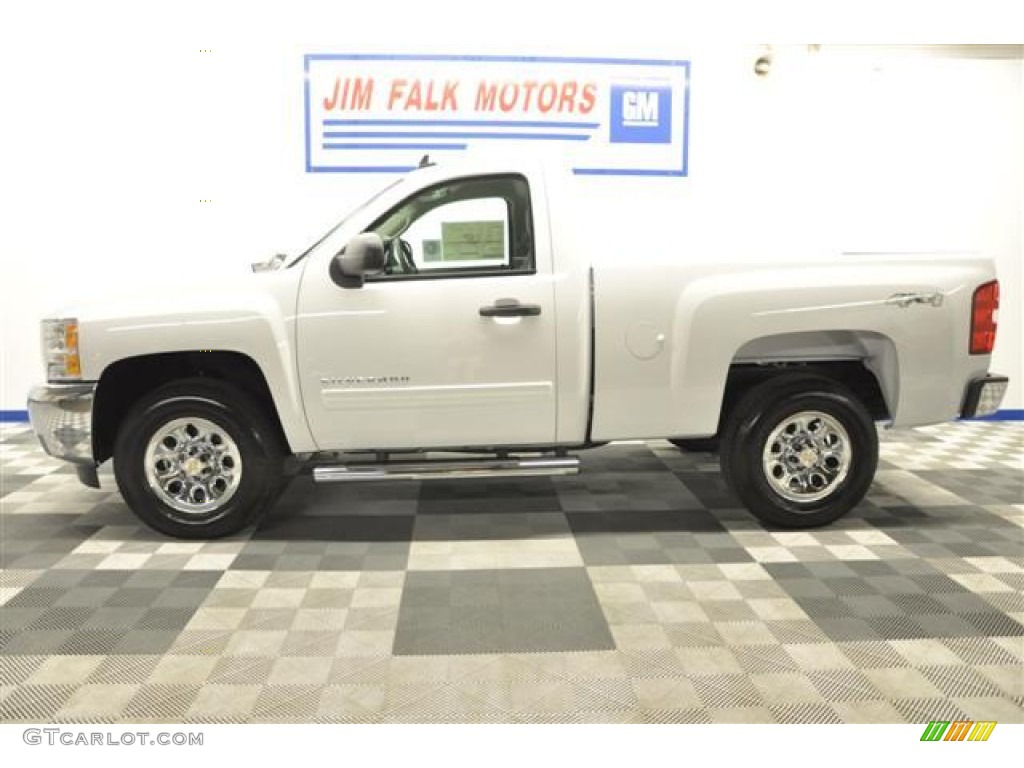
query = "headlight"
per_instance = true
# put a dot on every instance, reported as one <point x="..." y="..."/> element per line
<point x="60" y="349"/>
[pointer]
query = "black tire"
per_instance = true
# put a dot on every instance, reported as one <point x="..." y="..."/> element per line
<point x="697" y="445"/>
<point x="235" y="445"/>
<point x="807" y="477"/>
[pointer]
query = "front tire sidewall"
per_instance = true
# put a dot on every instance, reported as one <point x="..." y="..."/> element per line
<point x="752" y="486"/>
<point x="259" y="466"/>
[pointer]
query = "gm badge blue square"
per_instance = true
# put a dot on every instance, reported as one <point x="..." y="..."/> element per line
<point x="641" y="114"/>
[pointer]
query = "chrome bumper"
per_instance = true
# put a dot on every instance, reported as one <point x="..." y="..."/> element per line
<point x="984" y="396"/>
<point x="61" y="417"/>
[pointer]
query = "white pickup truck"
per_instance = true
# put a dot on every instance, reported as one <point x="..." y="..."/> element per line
<point x="465" y="322"/>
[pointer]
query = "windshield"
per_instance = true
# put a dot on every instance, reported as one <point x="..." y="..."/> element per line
<point x="337" y="226"/>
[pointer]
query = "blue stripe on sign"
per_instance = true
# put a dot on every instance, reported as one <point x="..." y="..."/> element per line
<point x="468" y="123"/>
<point x="453" y="135"/>
<point x="13" y="416"/>
<point x="367" y="145"/>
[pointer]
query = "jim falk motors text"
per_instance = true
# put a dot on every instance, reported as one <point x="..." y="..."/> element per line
<point x="365" y="94"/>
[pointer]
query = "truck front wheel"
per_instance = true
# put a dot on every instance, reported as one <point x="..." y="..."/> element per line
<point x="198" y="459"/>
<point x="799" y="451"/>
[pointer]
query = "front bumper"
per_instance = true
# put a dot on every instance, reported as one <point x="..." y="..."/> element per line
<point x="61" y="417"/>
<point x="984" y="396"/>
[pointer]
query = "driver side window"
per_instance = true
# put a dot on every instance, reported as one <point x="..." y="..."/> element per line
<point x="464" y="228"/>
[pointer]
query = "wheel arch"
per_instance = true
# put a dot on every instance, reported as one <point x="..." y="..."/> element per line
<point x="864" y="362"/>
<point x="851" y="374"/>
<point x="124" y="382"/>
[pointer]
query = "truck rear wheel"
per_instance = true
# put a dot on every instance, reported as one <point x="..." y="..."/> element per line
<point x="198" y="459"/>
<point x="799" y="451"/>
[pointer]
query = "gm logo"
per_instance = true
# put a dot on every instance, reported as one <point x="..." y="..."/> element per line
<point x="641" y="114"/>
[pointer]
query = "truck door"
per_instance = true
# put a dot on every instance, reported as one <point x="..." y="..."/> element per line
<point x="453" y="345"/>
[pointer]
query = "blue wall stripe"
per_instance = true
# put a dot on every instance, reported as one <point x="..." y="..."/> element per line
<point x="1010" y="414"/>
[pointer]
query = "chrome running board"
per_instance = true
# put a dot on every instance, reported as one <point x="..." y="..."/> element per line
<point x="444" y="469"/>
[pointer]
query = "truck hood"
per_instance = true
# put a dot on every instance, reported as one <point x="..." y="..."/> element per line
<point x="239" y="311"/>
<point x="218" y="292"/>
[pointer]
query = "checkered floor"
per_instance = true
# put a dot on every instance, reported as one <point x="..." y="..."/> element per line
<point x="638" y="591"/>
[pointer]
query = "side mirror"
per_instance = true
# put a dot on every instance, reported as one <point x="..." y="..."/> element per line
<point x="364" y="255"/>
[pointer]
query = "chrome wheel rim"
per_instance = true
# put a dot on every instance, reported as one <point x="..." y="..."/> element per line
<point x="193" y="465"/>
<point x="807" y="456"/>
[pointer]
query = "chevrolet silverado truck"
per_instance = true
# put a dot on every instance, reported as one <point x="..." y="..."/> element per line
<point x="468" y="321"/>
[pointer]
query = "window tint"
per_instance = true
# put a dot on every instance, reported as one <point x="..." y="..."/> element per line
<point x="464" y="228"/>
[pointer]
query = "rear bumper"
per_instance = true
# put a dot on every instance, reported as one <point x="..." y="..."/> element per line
<point x="61" y="417"/>
<point x="983" y="396"/>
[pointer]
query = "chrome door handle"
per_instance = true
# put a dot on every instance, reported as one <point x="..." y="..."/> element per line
<point x="904" y="300"/>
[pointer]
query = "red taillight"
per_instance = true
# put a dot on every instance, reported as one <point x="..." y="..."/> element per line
<point x="984" y="308"/>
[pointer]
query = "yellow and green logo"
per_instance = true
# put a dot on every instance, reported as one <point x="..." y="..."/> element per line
<point x="958" y="730"/>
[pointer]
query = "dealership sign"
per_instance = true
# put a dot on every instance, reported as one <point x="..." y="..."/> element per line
<point x="373" y="112"/>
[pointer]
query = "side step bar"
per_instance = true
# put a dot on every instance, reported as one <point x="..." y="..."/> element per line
<point x="443" y="469"/>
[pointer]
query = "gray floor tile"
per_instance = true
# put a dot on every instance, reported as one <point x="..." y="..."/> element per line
<point x="539" y="609"/>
